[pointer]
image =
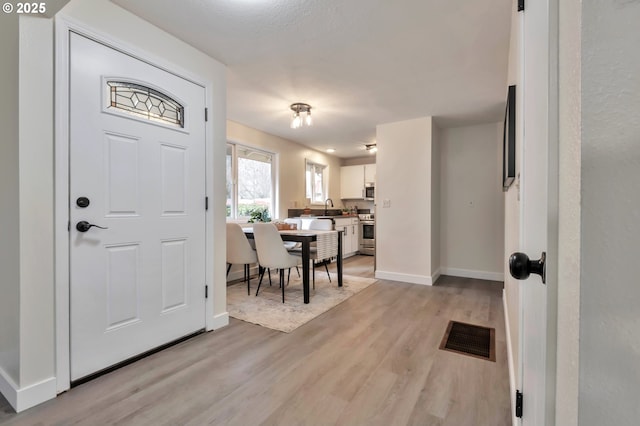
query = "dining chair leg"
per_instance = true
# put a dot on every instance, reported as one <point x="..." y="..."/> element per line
<point x="247" y="272"/>
<point x="228" y="268"/>
<point x="313" y="268"/>
<point x="289" y="276"/>
<point x="298" y="269"/>
<point x="269" y="271"/>
<point x="327" y="268"/>
<point x="282" y="283"/>
<point x="260" y="282"/>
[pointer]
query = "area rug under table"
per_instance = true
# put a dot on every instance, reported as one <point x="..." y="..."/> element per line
<point x="267" y="308"/>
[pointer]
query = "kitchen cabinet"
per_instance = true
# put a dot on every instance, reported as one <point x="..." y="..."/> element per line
<point x="369" y="173"/>
<point x="352" y="182"/>
<point x="350" y="229"/>
<point x="355" y="235"/>
<point x="340" y="226"/>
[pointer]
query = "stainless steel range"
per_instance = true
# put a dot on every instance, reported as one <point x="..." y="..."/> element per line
<point x="367" y="234"/>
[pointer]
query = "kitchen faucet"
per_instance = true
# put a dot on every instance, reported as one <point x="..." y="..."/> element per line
<point x="325" y="205"/>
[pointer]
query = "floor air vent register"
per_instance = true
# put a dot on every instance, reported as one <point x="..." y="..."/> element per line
<point x="468" y="339"/>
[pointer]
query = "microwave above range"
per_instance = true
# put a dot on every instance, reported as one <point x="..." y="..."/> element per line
<point x="369" y="191"/>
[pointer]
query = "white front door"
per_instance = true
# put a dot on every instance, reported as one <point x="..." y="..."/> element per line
<point x="137" y="169"/>
<point x="536" y="185"/>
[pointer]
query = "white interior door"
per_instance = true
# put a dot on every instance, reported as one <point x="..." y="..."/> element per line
<point x="137" y="156"/>
<point x="534" y="229"/>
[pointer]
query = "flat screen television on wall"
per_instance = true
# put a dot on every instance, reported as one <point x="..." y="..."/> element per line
<point x="509" y="141"/>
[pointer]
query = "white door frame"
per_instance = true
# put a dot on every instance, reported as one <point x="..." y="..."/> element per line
<point x="63" y="26"/>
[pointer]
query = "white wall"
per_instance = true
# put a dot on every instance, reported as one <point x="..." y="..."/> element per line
<point x="26" y="339"/>
<point x="610" y="233"/>
<point x="291" y="169"/>
<point x="357" y="161"/>
<point x="436" y="195"/>
<point x="9" y="207"/>
<point x="403" y="230"/>
<point x="472" y="206"/>
<point x="37" y="352"/>
<point x="569" y="221"/>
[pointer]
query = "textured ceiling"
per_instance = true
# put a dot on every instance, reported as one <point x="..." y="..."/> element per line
<point x="358" y="63"/>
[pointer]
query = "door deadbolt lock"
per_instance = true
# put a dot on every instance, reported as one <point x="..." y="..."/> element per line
<point x="83" y="202"/>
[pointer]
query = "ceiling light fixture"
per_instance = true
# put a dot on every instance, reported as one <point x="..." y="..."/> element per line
<point x="372" y="148"/>
<point x="297" y="120"/>
<point x="331" y="150"/>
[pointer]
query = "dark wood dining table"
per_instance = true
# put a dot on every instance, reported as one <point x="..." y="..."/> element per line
<point x="306" y="237"/>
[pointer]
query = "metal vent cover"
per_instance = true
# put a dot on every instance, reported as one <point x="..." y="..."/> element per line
<point x="469" y="339"/>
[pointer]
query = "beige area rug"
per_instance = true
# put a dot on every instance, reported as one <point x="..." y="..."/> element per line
<point x="267" y="308"/>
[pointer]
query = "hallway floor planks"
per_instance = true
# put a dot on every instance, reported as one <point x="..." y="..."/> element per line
<point x="372" y="360"/>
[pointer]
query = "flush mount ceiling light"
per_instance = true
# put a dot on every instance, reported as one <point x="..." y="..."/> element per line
<point x="298" y="109"/>
<point x="371" y="148"/>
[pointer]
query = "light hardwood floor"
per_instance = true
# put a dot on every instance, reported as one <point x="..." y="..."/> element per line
<point x="372" y="360"/>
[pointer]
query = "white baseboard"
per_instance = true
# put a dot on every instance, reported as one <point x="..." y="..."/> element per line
<point x="512" y="372"/>
<point x="219" y="321"/>
<point x="470" y="273"/>
<point x="407" y="278"/>
<point x="29" y="396"/>
<point x="435" y="276"/>
<point x="8" y="389"/>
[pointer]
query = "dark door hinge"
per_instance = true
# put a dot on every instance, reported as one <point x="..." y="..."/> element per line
<point x="520" y="5"/>
<point x="68" y="226"/>
<point x="518" y="404"/>
<point x="206" y="203"/>
<point x="206" y="291"/>
<point x="206" y="114"/>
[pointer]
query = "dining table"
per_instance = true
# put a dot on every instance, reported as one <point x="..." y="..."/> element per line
<point x="305" y="238"/>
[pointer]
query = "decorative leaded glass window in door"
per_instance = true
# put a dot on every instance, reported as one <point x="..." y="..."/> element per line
<point x="142" y="101"/>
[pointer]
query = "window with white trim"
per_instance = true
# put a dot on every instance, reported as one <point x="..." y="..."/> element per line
<point x="316" y="179"/>
<point x="250" y="181"/>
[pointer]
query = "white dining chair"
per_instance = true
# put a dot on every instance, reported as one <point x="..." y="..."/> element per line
<point x="240" y="252"/>
<point x="316" y="225"/>
<point x="271" y="252"/>
<point x="292" y="245"/>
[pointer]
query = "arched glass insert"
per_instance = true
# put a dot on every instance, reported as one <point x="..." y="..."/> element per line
<point x="145" y="102"/>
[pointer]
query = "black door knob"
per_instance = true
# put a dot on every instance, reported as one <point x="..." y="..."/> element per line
<point x="520" y="266"/>
<point x="84" y="226"/>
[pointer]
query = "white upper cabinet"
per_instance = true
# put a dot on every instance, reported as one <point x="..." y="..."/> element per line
<point x="352" y="182"/>
<point x="369" y="173"/>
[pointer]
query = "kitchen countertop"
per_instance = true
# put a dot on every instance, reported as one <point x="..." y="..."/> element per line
<point x="330" y="217"/>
